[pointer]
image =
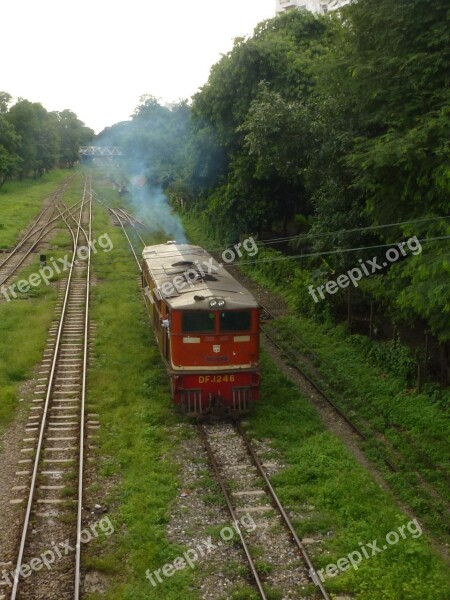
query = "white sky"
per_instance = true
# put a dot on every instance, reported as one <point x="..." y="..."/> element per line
<point x="97" y="57"/>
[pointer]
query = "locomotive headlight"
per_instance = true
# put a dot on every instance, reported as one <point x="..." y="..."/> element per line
<point x="215" y="303"/>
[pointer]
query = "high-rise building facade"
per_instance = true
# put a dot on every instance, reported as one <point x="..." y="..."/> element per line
<point x="315" y="6"/>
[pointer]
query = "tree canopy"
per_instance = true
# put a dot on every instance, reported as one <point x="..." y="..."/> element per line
<point x="33" y="140"/>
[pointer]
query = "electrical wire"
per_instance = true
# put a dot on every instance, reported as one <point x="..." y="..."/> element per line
<point x="328" y="252"/>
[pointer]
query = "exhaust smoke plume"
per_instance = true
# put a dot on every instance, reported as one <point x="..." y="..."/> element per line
<point x="154" y="146"/>
<point x="151" y="206"/>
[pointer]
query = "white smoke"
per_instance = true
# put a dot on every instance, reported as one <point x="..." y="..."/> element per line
<point x="151" y="206"/>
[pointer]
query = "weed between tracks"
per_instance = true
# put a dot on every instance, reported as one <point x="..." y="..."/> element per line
<point x="21" y="201"/>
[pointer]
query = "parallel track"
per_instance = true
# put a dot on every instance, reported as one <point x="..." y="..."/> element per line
<point x="56" y="435"/>
<point x="47" y="220"/>
<point x="124" y="219"/>
<point x="225" y="464"/>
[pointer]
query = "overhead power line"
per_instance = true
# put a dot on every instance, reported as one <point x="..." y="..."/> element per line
<point x="345" y="231"/>
<point x="328" y="252"/>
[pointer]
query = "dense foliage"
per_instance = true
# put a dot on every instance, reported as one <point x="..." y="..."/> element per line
<point x="319" y="124"/>
<point x="33" y="140"/>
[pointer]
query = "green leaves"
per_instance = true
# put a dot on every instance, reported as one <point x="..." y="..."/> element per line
<point x="33" y="141"/>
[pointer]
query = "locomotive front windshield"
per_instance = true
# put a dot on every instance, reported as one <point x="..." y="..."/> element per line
<point x="235" y="320"/>
<point x="198" y="321"/>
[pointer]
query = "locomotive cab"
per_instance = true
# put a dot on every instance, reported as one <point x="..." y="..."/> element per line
<point x="207" y="329"/>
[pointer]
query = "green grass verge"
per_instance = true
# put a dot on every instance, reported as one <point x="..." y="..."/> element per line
<point x="21" y="202"/>
<point x="414" y="424"/>
<point x="20" y="351"/>
<point x="128" y="388"/>
<point x="338" y="498"/>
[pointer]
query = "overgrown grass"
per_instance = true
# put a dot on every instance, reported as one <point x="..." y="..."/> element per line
<point x="339" y="499"/>
<point x="128" y="388"/>
<point x="414" y="424"/>
<point x="21" y="201"/>
<point x="23" y="330"/>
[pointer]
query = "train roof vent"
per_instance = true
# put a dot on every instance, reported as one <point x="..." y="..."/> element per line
<point x="208" y="277"/>
<point x="183" y="263"/>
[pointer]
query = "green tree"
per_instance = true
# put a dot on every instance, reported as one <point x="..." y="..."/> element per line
<point x="254" y="103"/>
<point x="9" y="144"/>
<point x="72" y="134"/>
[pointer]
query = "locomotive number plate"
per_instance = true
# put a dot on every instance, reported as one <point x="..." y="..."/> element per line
<point x="216" y="378"/>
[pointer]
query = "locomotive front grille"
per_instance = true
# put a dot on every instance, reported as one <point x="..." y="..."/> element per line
<point x="191" y="401"/>
<point x="242" y="399"/>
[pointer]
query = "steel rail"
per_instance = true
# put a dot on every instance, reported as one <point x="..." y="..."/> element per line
<point x="83" y="405"/>
<point x="295" y="366"/>
<point x="129" y="217"/>
<point x="68" y="226"/>
<point x="120" y="219"/>
<point x="88" y="236"/>
<point x="57" y="195"/>
<point x="231" y="510"/>
<point x="130" y="220"/>
<point x="312" y="571"/>
<point x="135" y="219"/>
<point x="70" y="211"/>
<point x="31" y="230"/>
<point x="45" y="411"/>
<point x="42" y="235"/>
<point x="30" y="234"/>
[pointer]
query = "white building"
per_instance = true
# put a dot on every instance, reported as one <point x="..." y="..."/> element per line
<point x="315" y="6"/>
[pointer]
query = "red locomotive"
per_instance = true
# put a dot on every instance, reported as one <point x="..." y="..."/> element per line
<point x="207" y="328"/>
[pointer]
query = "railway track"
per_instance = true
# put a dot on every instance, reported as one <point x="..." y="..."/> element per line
<point x="122" y="222"/>
<point x="287" y="566"/>
<point x="123" y="219"/>
<point x="47" y="220"/>
<point x="293" y="567"/>
<point x="51" y="475"/>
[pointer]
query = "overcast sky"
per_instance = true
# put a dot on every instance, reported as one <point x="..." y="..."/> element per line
<point x="97" y="57"/>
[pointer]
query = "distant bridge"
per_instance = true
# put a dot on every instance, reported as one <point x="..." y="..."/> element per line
<point x="100" y="151"/>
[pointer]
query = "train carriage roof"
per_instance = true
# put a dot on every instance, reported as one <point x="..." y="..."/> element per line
<point x="177" y="269"/>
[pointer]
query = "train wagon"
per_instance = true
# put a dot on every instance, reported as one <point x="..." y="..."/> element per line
<point x="207" y="328"/>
